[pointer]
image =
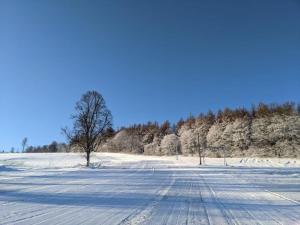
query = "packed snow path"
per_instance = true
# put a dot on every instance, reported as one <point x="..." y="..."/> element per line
<point x="150" y="192"/>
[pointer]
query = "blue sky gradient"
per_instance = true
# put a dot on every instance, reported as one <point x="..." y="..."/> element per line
<point x="151" y="60"/>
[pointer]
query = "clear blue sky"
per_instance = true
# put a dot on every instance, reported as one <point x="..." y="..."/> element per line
<point x="151" y="60"/>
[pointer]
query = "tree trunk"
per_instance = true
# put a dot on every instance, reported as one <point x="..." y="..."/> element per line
<point x="199" y="150"/>
<point x="88" y="158"/>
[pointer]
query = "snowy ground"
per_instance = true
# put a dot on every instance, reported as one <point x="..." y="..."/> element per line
<point x="128" y="189"/>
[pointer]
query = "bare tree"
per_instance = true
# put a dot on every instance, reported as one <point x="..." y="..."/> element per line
<point x="24" y="144"/>
<point x="90" y="123"/>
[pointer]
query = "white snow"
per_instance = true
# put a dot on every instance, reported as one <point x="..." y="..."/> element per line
<point x="137" y="189"/>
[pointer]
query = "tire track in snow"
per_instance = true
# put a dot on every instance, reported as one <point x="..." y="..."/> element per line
<point x="142" y="215"/>
<point x="41" y="212"/>
<point x="227" y="215"/>
<point x="242" y="215"/>
<point x="274" y="213"/>
<point x="49" y="186"/>
<point x="116" y="192"/>
<point x="113" y="219"/>
<point x="283" y="197"/>
<point x="181" y="208"/>
<point x="58" y="209"/>
<point x="208" y="220"/>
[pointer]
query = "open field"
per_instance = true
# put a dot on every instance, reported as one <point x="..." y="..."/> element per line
<point x="130" y="189"/>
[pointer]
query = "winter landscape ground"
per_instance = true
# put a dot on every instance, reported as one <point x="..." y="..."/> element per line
<point x="136" y="189"/>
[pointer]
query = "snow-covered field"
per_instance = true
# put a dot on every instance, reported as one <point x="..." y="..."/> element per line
<point x="135" y="189"/>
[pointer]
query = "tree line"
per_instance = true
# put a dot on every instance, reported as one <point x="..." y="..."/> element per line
<point x="92" y="126"/>
<point x="261" y="110"/>
<point x="50" y="148"/>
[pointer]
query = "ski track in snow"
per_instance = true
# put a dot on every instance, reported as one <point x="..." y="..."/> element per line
<point x="149" y="192"/>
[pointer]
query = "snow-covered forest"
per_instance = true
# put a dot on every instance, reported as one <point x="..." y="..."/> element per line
<point x="266" y="131"/>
